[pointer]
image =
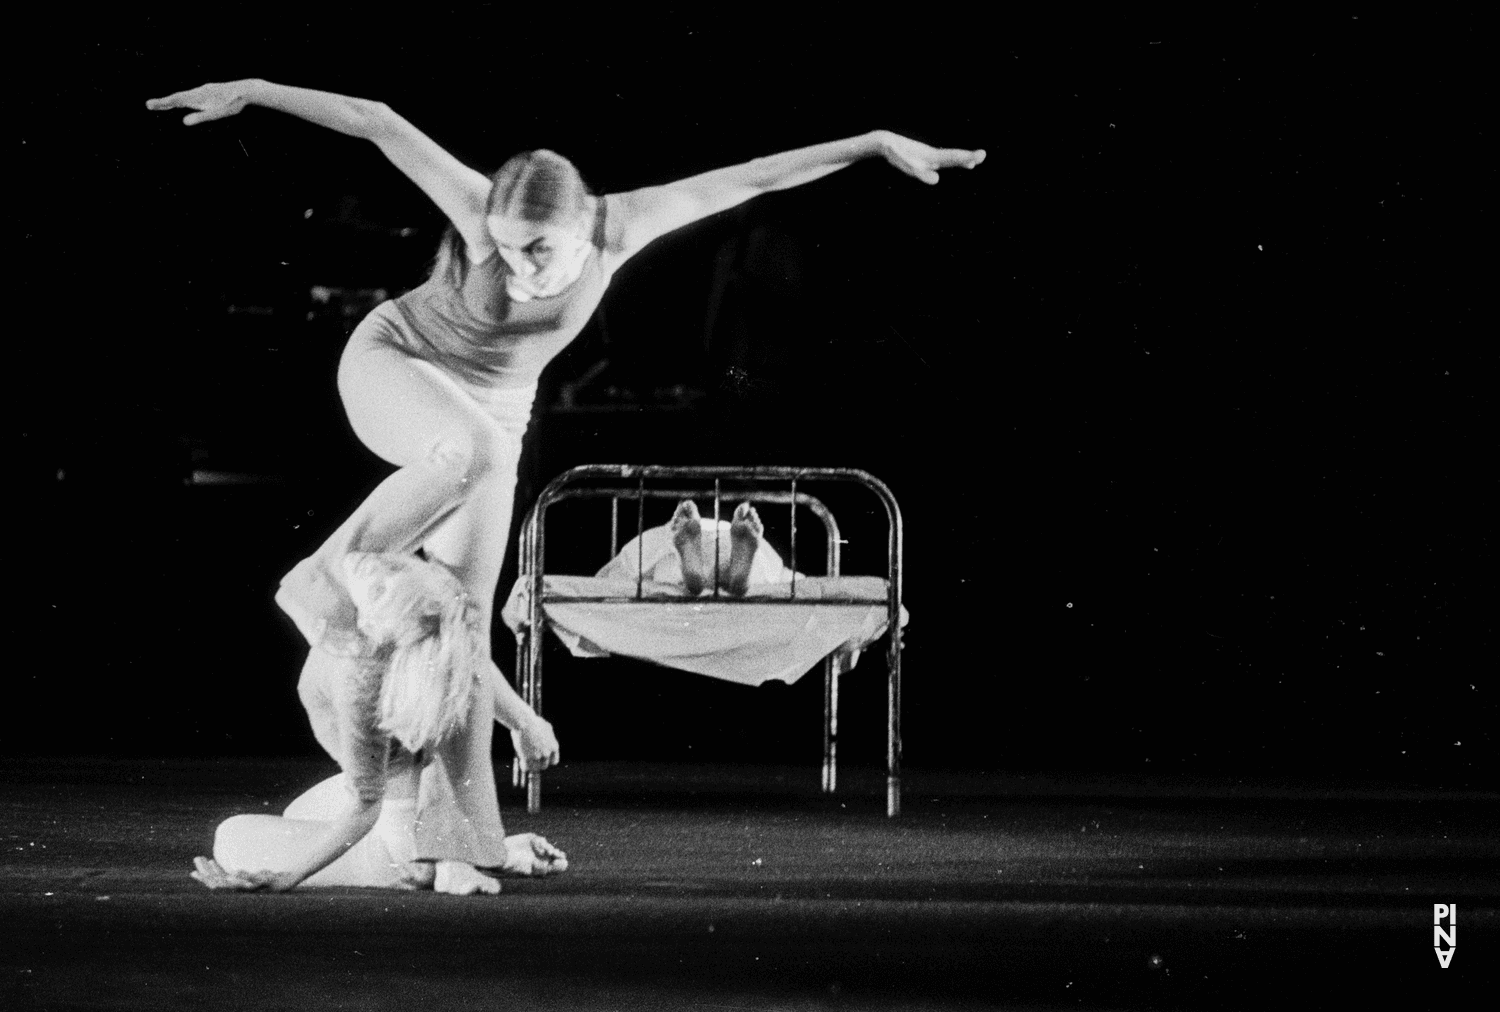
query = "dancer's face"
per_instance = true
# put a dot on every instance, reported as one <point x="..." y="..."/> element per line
<point x="544" y="257"/>
<point x="371" y="577"/>
<point x="392" y="592"/>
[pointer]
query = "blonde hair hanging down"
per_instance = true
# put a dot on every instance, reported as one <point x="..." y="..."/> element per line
<point x="426" y="630"/>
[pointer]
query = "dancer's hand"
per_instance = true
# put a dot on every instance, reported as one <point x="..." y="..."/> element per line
<point x="922" y="161"/>
<point x="213" y="101"/>
<point x="536" y="745"/>
<point x="213" y="875"/>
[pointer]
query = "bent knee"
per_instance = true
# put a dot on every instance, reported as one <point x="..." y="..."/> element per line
<point x="236" y="839"/>
<point x="467" y="455"/>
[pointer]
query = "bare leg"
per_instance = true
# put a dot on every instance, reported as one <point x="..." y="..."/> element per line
<point x="457" y="450"/>
<point x="687" y="535"/>
<point x="446" y="445"/>
<point x="744" y="538"/>
<point x="472" y="540"/>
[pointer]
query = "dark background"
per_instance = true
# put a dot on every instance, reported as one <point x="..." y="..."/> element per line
<point x="1183" y="392"/>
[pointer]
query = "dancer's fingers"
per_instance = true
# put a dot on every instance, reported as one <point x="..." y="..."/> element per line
<point x="212" y="874"/>
<point x="958" y="157"/>
<point x="916" y="169"/>
<point x="176" y="100"/>
<point x="205" y="115"/>
<point x="536" y="753"/>
<point x="211" y="102"/>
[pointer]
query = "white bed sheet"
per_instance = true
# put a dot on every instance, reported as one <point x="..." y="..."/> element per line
<point x="756" y="639"/>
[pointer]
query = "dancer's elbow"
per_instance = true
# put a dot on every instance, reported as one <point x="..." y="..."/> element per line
<point x="373" y="120"/>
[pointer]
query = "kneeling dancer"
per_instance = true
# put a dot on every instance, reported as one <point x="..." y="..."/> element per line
<point x="393" y="714"/>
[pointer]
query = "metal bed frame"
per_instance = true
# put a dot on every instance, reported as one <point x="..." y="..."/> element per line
<point x="609" y="480"/>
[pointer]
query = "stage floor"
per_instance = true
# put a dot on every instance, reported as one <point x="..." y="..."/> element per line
<point x="700" y="887"/>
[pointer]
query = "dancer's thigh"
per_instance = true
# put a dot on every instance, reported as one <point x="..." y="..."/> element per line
<point x="402" y="407"/>
<point x="273" y="843"/>
<point x="325" y="800"/>
<point x="473" y="539"/>
<point x="264" y="842"/>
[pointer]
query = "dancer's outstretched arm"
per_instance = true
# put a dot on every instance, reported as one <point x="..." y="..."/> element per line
<point x="656" y="210"/>
<point x="459" y="191"/>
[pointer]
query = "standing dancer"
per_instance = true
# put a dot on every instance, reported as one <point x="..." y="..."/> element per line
<point x="440" y="381"/>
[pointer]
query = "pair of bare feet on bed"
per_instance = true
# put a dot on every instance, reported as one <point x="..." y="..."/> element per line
<point x="698" y="565"/>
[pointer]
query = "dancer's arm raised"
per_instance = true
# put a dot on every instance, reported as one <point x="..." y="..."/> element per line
<point x="656" y="210"/>
<point x="459" y="191"/>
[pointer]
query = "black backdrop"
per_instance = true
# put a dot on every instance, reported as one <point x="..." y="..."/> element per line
<point x="1183" y="392"/>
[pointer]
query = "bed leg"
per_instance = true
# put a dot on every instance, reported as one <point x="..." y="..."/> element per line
<point x="893" y="729"/>
<point x="832" y="667"/>
<point x="523" y="686"/>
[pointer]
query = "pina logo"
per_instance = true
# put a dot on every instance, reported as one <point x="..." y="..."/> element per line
<point x="1445" y="936"/>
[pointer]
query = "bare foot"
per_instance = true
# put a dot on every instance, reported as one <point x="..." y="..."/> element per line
<point x="744" y="538"/>
<point x="532" y="855"/>
<point x="459" y="879"/>
<point x="418" y="875"/>
<point x="687" y="535"/>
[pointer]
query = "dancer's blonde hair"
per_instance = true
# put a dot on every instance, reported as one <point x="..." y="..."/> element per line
<point x="427" y="635"/>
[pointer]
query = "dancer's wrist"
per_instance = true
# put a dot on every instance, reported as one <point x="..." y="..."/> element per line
<point x="532" y="723"/>
<point x="254" y="90"/>
<point x="283" y="882"/>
